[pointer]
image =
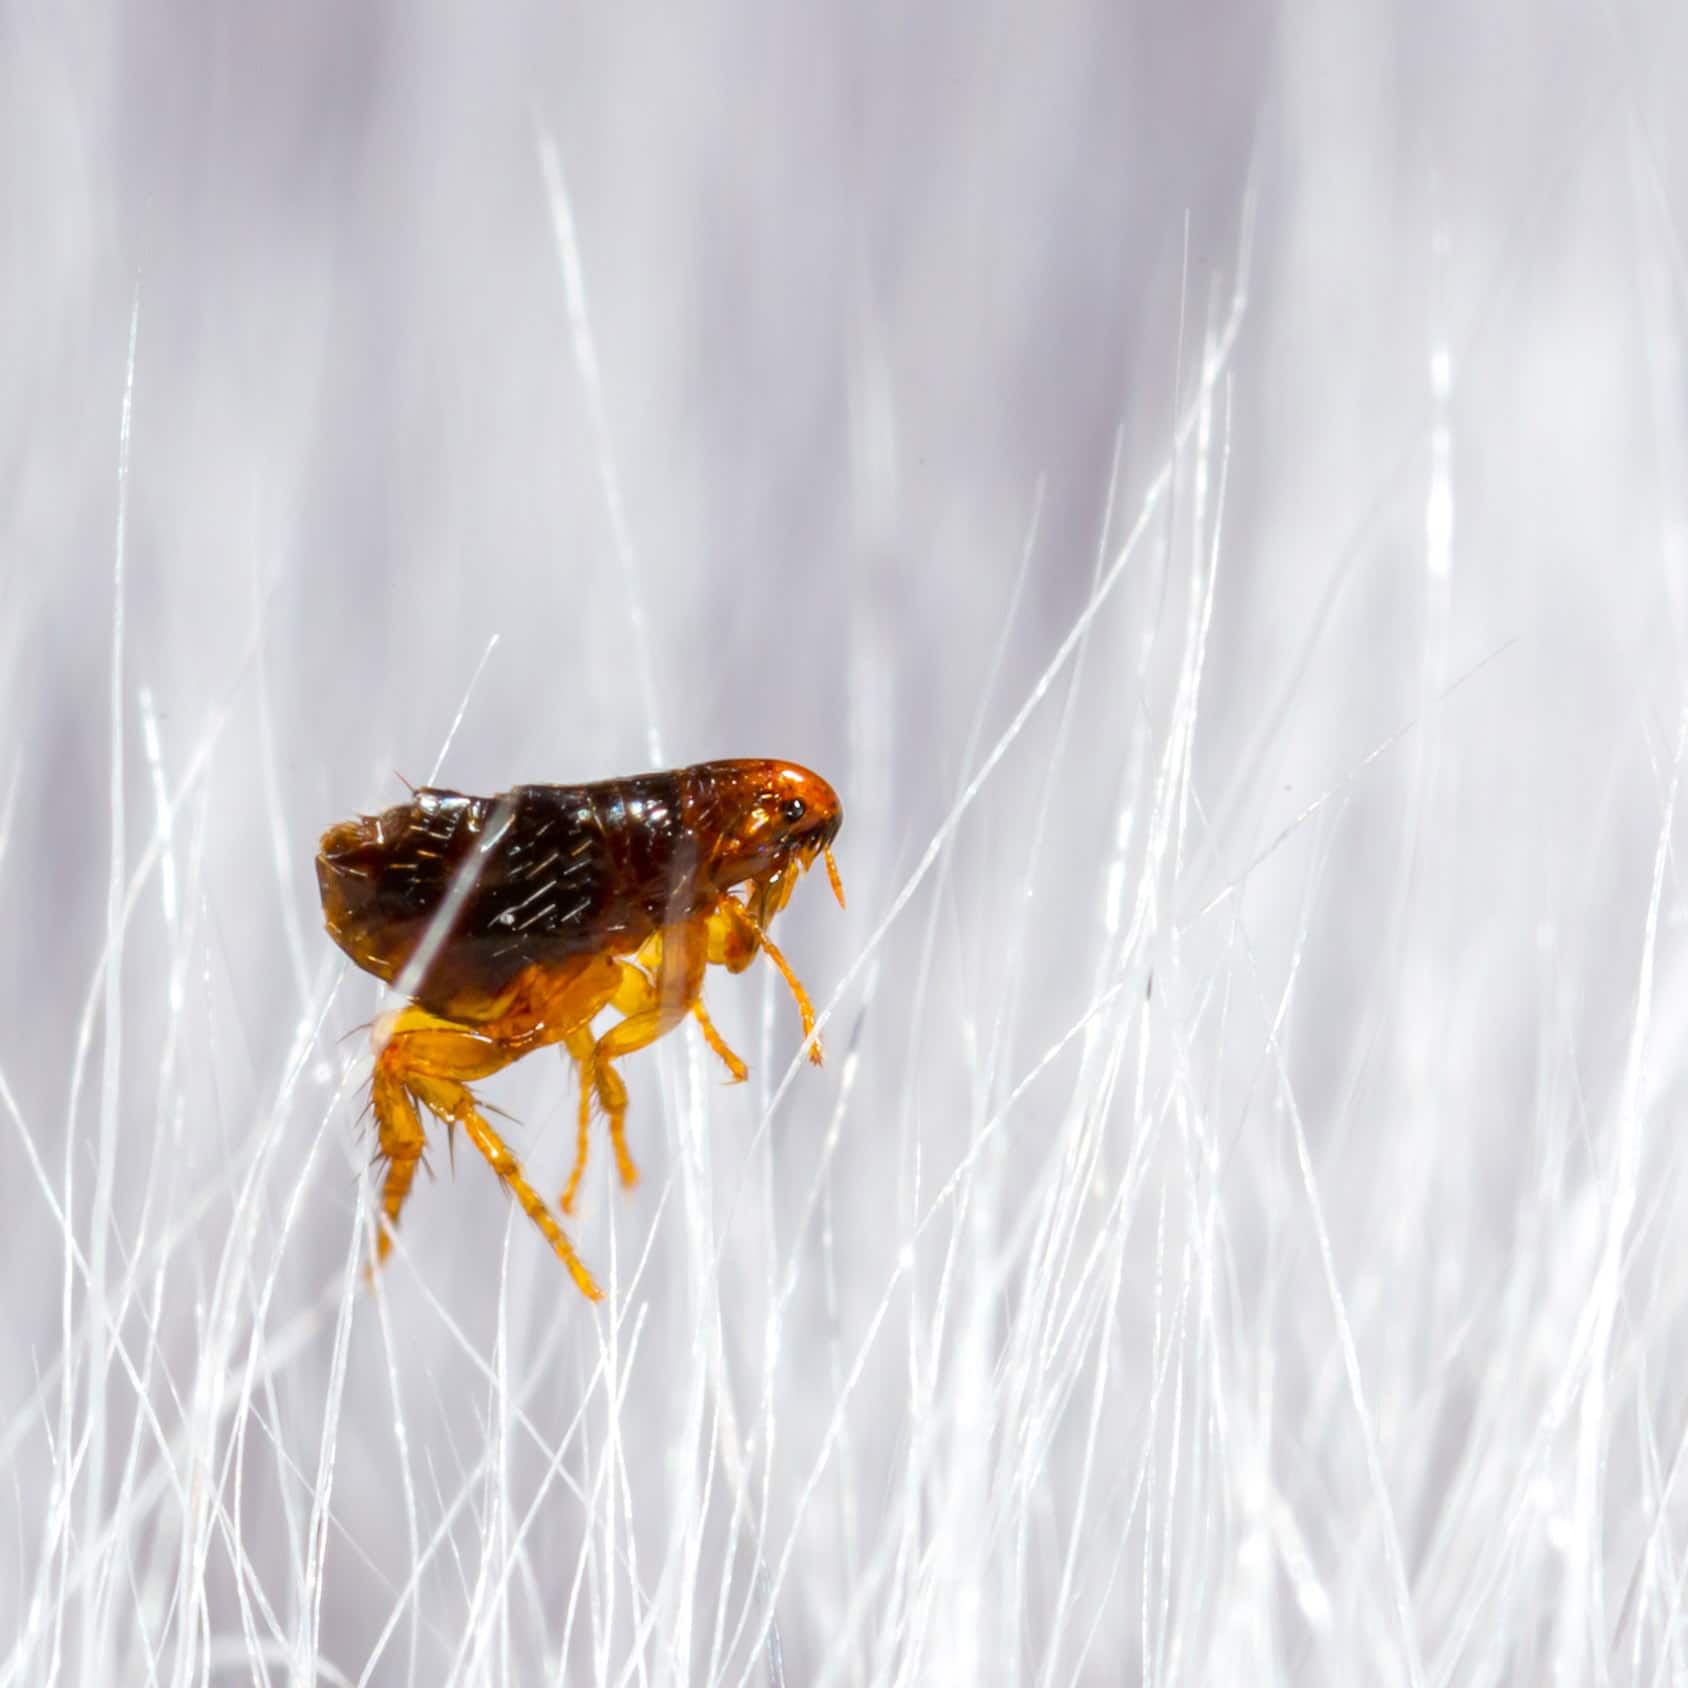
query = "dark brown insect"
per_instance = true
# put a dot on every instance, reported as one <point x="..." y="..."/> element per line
<point x="511" y="922"/>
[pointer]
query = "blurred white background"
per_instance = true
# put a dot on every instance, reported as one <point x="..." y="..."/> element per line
<point x="1233" y="1237"/>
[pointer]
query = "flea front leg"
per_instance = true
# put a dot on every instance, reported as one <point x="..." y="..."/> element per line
<point x="726" y="945"/>
<point x="734" y="938"/>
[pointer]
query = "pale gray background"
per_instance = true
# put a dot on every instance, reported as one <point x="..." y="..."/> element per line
<point x="868" y="286"/>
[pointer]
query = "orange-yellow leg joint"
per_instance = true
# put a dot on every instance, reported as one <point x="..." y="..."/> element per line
<point x="579" y="1045"/>
<point x="801" y="996"/>
<point x="422" y="1059"/>
<point x="740" y="1072"/>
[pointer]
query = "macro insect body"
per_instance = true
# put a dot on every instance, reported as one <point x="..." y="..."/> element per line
<point x="512" y="922"/>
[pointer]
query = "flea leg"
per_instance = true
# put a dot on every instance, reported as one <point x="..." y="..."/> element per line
<point x="804" y="1008"/>
<point x="401" y="1145"/>
<point x="716" y="1042"/>
<point x="564" y="1004"/>
<point x="405" y="1043"/>
<point x="734" y="938"/>
<point x="632" y="992"/>
<point x="453" y="1100"/>
<point x="424" y="1059"/>
<point x="652" y="1006"/>
<point x="727" y="944"/>
<point x="579" y="1045"/>
<point x="642" y="1002"/>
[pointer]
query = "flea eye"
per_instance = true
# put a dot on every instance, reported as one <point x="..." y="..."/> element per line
<point x="793" y="809"/>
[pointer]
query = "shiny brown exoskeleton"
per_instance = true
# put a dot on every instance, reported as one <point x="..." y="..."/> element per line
<point x="511" y="922"/>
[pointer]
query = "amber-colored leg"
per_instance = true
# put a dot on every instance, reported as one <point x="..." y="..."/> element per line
<point x="716" y="1042"/>
<point x="401" y="1145"/>
<point x="637" y="998"/>
<point x="805" y="1010"/>
<point x="507" y="1167"/>
<point x="579" y="1045"/>
<point x="652" y="1005"/>
<point x="733" y="946"/>
<point x="427" y="1060"/>
<point x="734" y="939"/>
<point x="633" y="994"/>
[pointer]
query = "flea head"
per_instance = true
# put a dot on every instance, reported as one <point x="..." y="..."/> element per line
<point x="774" y="820"/>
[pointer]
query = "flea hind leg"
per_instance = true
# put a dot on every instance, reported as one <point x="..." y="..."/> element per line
<point x="402" y="1141"/>
<point x="408" y="1043"/>
<point x="452" y="1101"/>
<point x="426" y="1060"/>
